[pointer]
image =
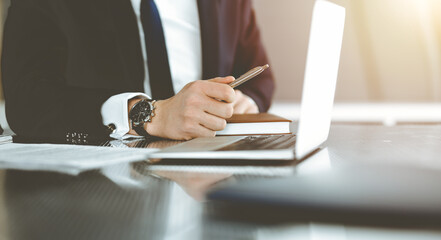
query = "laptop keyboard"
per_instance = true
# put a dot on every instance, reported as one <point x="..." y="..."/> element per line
<point x="262" y="142"/>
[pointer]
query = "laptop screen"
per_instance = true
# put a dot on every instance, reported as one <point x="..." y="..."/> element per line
<point x="320" y="76"/>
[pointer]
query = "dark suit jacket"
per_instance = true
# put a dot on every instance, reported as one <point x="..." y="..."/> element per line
<point x="62" y="59"/>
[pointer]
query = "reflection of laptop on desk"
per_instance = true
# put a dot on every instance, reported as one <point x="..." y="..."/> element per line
<point x="317" y="101"/>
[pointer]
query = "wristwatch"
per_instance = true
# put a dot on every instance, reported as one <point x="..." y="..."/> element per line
<point x="141" y="113"/>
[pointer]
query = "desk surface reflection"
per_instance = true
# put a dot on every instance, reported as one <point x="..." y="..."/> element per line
<point x="157" y="201"/>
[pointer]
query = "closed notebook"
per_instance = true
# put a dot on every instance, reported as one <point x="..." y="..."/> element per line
<point x="256" y="124"/>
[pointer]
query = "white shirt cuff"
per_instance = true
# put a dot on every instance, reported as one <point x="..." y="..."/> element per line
<point x="115" y="111"/>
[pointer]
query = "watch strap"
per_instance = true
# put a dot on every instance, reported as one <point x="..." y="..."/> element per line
<point x="141" y="131"/>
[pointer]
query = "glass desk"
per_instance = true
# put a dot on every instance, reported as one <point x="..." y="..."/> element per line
<point x="167" y="201"/>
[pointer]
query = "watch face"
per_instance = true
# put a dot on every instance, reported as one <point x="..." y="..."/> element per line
<point x="141" y="112"/>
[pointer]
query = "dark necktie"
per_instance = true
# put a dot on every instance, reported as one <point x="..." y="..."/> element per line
<point x="157" y="59"/>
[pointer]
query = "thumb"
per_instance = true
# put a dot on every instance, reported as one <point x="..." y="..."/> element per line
<point x="225" y="80"/>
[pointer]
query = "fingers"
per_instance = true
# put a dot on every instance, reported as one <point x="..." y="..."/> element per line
<point x="202" y="103"/>
<point x="190" y="127"/>
<point x="241" y="107"/>
<point x="219" y="109"/>
<point x="252" y="108"/>
<point x="212" y="122"/>
<point x="244" y="104"/>
<point x="218" y="88"/>
<point x="202" y="131"/>
<point x="224" y="80"/>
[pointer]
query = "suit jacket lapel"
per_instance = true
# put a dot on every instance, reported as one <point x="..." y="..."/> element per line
<point x="208" y="17"/>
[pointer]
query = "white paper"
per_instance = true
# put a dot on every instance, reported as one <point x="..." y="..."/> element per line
<point x="71" y="159"/>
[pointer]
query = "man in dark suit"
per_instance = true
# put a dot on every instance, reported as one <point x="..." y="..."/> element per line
<point x="67" y="64"/>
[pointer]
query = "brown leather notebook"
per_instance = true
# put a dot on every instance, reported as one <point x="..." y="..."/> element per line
<point x="256" y="124"/>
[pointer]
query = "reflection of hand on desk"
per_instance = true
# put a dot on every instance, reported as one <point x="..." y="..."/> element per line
<point x="194" y="184"/>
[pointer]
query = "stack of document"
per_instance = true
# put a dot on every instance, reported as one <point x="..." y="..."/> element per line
<point x="71" y="159"/>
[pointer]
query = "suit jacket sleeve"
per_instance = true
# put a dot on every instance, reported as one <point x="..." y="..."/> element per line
<point x="251" y="53"/>
<point x="39" y="102"/>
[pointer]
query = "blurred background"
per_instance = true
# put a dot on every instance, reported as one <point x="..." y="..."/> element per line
<point x="391" y="56"/>
<point x="391" y="50"/>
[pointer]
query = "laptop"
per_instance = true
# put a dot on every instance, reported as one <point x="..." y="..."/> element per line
<point x="319" y="85"/>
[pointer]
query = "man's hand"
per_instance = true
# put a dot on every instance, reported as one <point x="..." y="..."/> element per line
<point x="198" y="110"/>
<point x="244" y="104"/>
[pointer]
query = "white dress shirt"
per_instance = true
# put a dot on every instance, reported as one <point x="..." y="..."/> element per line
<point x="180" y="21"/>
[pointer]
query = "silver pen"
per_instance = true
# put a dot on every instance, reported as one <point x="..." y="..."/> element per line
<point x="248" y="75"/>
